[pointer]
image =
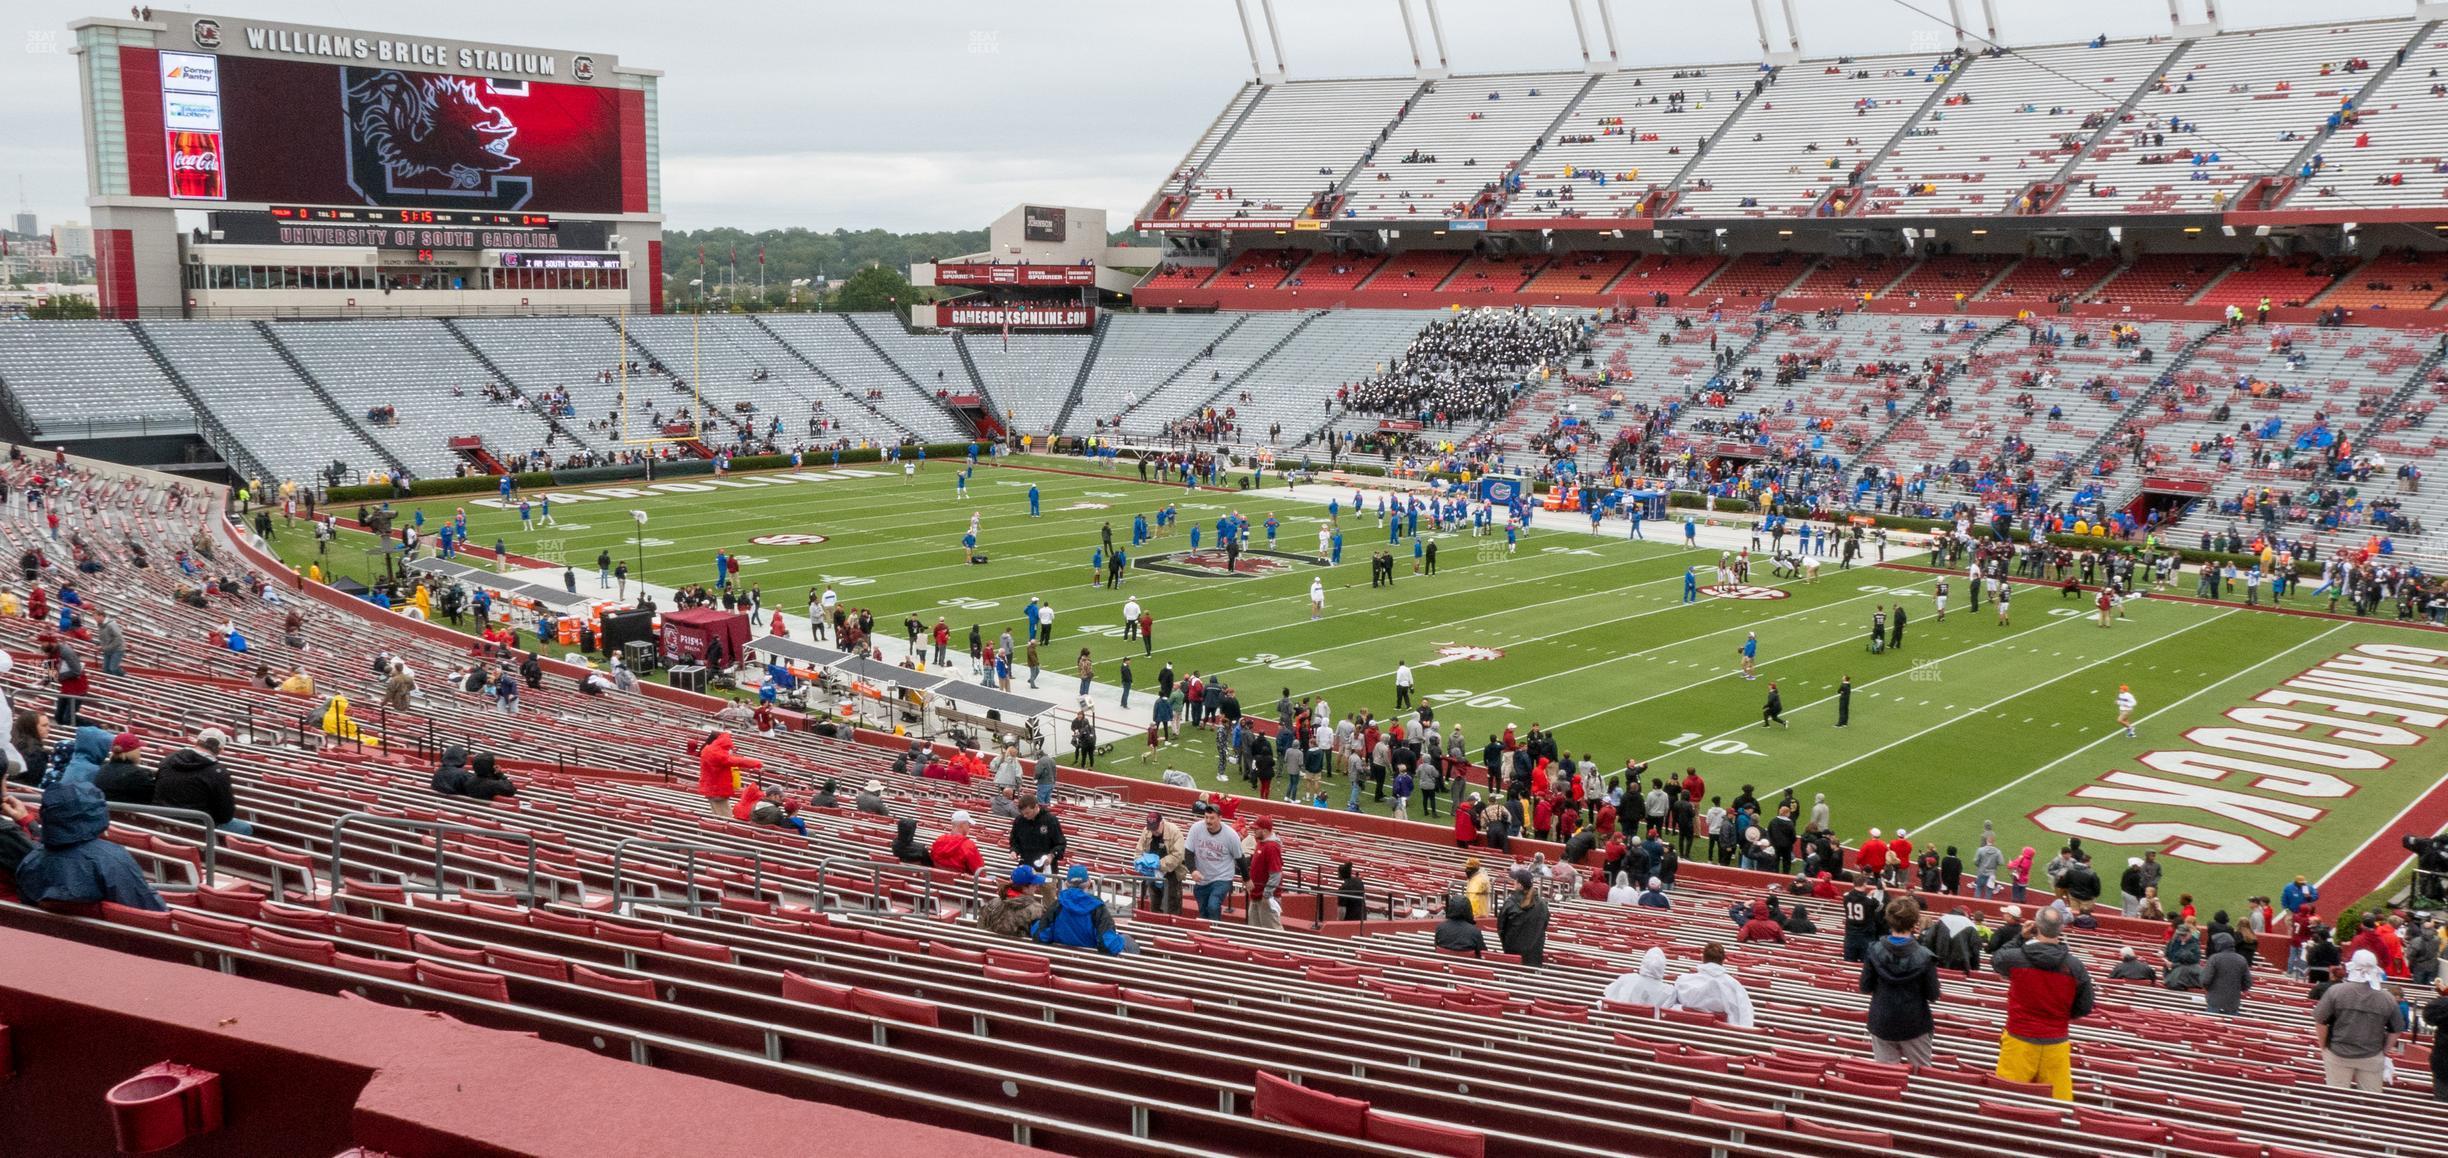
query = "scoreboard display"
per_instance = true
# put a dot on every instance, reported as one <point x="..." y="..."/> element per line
<point x="244" y="114"/>
<point x="332" y="215"/>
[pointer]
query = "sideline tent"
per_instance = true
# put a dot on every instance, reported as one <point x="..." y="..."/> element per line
<point x="689" y="635"/>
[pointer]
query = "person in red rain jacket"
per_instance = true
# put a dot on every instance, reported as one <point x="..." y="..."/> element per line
<point x="1542" y="817"/>
<point x="956" y="851"/>
<point x="1761" y="927"/>
<point x="1901" y="849"/>
<point x="718" y="769"/>
<point x="1466" y="823"/>
<point x="1693" y="786"/>
<point x="1606" y="820"/>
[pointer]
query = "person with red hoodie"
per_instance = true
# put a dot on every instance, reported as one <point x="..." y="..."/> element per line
<point x="1466" y="823"/>
<point x="1901" y="849"/>
<point x="2046" y="990"/>
<point x="1542" y="817"/>
<point x="1266" y="872"/>
<point x="718" y="769"/>
<point x="1761" y="926"/>
<point x="1871" y="858"/>
<point x="1605" y="822"/>
<point x="956" y="851"/>
<point x="1693" y="785"/>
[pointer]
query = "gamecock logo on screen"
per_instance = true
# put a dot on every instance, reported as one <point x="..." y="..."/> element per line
<point x="426" y="135"/>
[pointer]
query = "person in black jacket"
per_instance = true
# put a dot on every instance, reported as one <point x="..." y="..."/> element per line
<point x="1781" y="837"/>
<point x="451" y="776"/>
<point x="121" y="779"/>
<point x="531" y="669"/>
<point x="1037" y="837"/>
<point x="2081" y="882"/>
<point x="1521" y="920"/>
<point x="2009" y="931"/>
<point x="1902" y="980"/>
<point x="1458" y="933"/>
<point x="193" y="778"/>
<point x="1354" y="894"/>
<point x="485" y="781"/>
<point x="1861" y="919"/>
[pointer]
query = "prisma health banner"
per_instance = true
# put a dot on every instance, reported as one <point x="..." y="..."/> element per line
<point x="295" y="132"/>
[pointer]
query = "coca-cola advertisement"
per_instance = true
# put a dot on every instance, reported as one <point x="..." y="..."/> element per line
<point x="197" y="167"/>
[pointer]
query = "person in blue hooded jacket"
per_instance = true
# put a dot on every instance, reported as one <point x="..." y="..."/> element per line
<point x="86" y="752"/>
<point x="75" y="865"/>
<point x="1079" y="918"/>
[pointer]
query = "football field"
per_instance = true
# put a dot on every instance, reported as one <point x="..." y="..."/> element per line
<point x="2268" y="744"/>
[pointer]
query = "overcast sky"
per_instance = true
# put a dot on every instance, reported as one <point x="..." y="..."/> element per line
<point x="944" y="113"/>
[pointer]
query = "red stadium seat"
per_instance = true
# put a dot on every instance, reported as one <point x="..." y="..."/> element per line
<point x="531" y="964"/>
<point x="424" y="944"/>
<point x="119" y="914"/>
<point x="631" y="986"/>
<point x="311" y="949"/>
<point x="1425" y="1137"/>
<point x="383" y="933"/>
<point x="1277" y="1100"/>
<point x="1742" y="1119"/>
<point x="2019" y="1112"/>
<point x="798" y="988"/>
<point x="1878" y="1138"/>
<point x="401" y="971"/>
<point x="472" y="982"/>
<point x="893" y="1008"/>
<point x="205" y="928"/>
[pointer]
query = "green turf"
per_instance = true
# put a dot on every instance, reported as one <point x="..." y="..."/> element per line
<point x="1969" y="721"/>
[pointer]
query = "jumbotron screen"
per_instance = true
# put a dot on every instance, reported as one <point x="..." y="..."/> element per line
<point x="250" y="129"/>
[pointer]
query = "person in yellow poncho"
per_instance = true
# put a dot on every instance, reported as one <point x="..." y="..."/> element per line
<point x="423" y="599"/>
<point x="336" y="722"/>
<point x="1475" y="887"/>
<point x="314" y="571"/>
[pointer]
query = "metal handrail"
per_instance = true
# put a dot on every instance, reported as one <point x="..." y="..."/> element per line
<point x="621" y="898"/>
<point x="876" y="870"/>
<point x="1330" y="894"/>
<point x="441" y="885"/>
<point x="203" y="820"/>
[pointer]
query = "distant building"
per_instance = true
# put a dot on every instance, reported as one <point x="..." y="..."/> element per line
<point x="73" y="239"/>
<point x="25" y="225"/>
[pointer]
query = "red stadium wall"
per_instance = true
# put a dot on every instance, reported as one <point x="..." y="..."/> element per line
<point x="654" y="277"/>
<point x="140" y="98"/>
<point x="309" y="1075"/>
<point x="115" y="273"/>
<point x="633" y="152"/>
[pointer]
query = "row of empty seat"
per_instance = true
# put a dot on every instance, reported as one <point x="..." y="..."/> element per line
<point x="2232" y="107"/>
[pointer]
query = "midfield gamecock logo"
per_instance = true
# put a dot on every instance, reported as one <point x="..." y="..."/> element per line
<point x="1746" y="591"/>
<point x="1210" y="564"/>
<point x="417" y="136"/>
<point x="793" y="540"/>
